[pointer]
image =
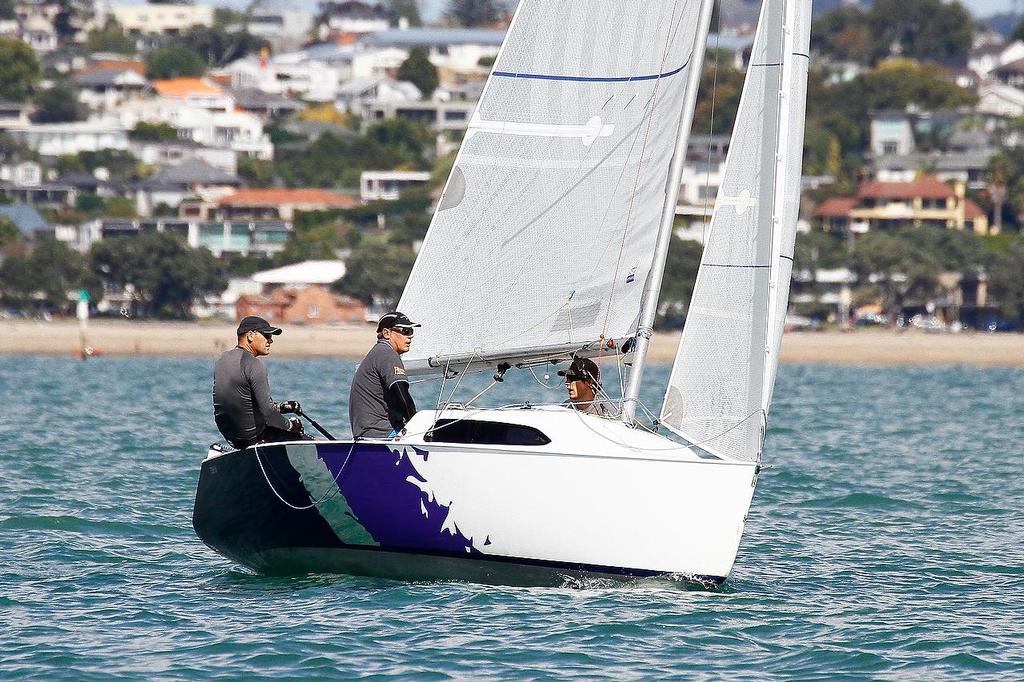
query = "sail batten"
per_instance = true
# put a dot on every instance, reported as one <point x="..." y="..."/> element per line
<point x="720" y="389"/>
<point x="546" y="230"/>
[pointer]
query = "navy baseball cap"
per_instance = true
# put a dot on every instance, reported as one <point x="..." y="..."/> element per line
<point x="583" y="369"/>
<point x="257" y="324"/>
<point x="395" y="319"/>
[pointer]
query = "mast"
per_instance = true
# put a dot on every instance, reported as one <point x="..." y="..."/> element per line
<point x="652" y="288"/>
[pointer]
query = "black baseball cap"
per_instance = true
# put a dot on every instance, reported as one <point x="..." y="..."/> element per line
<point x="582" y="368"/>
<point x="257" y="324"/>
<point x="395" y="319"/>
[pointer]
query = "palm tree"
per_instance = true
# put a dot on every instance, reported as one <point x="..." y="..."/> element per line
<point x="997" y="175"/>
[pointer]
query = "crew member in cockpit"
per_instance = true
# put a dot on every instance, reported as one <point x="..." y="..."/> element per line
<point x="583" y="383"/>
<point x="379" y="403"/>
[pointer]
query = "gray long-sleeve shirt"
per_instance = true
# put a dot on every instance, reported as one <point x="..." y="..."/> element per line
<point x="242" y="406"/>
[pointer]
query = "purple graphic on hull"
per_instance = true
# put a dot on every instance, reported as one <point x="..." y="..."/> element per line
<point x="393" y="510"/>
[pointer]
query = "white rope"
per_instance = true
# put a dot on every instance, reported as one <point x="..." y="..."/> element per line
<point x="330" y="493"/>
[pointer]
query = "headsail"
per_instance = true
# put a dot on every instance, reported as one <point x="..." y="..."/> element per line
<point x="721" y="385"/>
<point x="544" y="236"/>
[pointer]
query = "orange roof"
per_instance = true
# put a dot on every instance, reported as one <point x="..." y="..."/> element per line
<point x="972" y="210"/>
<point x="276" y="197"/>
<point x="928" y="187"/>
<point x="836" y="207"/>
<point x="111" y="64"/>
<point x="183" y="87"/>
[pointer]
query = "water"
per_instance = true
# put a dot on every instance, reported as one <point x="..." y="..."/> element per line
<point x="886" y="542"/>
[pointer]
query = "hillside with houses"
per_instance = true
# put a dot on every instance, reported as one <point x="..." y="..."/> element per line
<point x="180" y="160"/>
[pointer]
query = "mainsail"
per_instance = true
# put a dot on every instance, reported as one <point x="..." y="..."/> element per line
<point x="721" y="385"/>
<point x="545" y="233"/>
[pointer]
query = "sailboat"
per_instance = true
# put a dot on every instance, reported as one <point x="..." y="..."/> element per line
<point x="549" y="243"/>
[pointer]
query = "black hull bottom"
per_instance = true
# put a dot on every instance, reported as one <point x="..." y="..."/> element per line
<point x="238" y="515"/>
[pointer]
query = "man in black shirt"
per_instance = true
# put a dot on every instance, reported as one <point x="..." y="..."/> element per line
<point x="242" y="407"/>
<point x="379" y="404"/>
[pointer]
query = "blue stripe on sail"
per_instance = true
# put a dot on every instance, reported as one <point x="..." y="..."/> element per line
<point x="590" y="79"/>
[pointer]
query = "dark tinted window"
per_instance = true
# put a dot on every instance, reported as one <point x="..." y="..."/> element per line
<point x="485" y="433"/>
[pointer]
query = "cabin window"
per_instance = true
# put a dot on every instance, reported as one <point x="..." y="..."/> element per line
<point x="476" y="432"/>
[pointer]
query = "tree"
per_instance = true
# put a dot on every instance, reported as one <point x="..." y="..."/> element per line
<point x="153" y="132"/>
<point x="19" y="70"/>
<point x="680" y="276"/>
<point x="894" y="270"/>
<point x="1006" y="282"/>
<point x="718" y="97"/>
<point x="997" y="176"/>
<point x="931" y="30"/>
<point x="48" y="273"/>
<point x="9" y="233"/>
<point x="418" y="70"/>
<point x="59" y="104"/>
<point x="844" y="34"/>
<point x="377" y="270"/>
<point x="318" y="241"/>
<point x="110" y="38"/>
<point x="470" y="13"/>
<point x="174" y="61"/>
<point x="166" y="274"/>
<point x="405" y="9"/>
<point x="7" y="9"/>
<point x="219" y="46"/>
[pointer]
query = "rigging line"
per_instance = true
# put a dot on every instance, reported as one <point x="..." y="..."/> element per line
<point x="711" y="132"/>
<point x="669" y="39"/>
<point x="328" y="495"/>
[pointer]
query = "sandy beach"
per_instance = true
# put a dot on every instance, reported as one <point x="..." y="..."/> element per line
<point x="863" y="347"/>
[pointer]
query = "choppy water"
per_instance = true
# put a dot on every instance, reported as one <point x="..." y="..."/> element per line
<point x="886" y="542"/>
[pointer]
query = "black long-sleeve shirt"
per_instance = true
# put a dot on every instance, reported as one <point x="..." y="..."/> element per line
<point x="242" y="406"/>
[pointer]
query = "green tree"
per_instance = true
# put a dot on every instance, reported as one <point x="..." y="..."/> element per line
<point x="1006" y="282"/>
<point x="377" y="270"/>
<point x="7" y="9"/>
<point x="930" y="30"/>
<point x="844" y="34"/>
<point x="997" y="174"/>
<point x="58" y="104"/>
<point x="19" y="70"/>
<point x="680" y="276"/>
<point x="174" y="61"/>
<point x="893" y="270"/>
<point x="405" y="9"/>
<point x="219" y="46"/>
<point x="9" y="233"/>
<point x="48" y="273"/>
<point x="471" y="13"/>
<point x="167" y="275"/>
<point x="718" y="97"/>
<point x="153" y="132"/>
<point x="317" y="241"/>
<point x="110" y="38"/>
<point x="418" y="70"/>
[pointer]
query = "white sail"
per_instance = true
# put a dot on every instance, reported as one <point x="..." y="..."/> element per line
<point x="544" y="236"/>
<point x="721" y="384"/>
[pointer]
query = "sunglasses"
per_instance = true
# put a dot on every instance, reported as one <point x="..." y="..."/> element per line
<point x="403" y="330"/>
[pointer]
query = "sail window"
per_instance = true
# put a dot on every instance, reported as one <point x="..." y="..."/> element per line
<point x="478" y="432"/>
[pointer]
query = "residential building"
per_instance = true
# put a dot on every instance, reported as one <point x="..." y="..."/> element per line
<point x="892" y="132"/>
<point x="388" y="185"/>
<point x="262" y="237"/>
<point x="106" y="88"/>
<point x="284" y="29"/>
<point x="27" y="219"/>
<point x="458" y="50"/>
<point x="164" y="19"/>
<point x="989" y="56"/>
<point x="441" y="116"/>
<point x="280" y="204"/>
<point x="173" y="184"/>
<point x="174" y="152"/>
<point x="267" y="106"/>
<point x="950" y="166"/>
<point x="351" y="18"/>
<point x="314" y="304"/>
<point x="21" y="173"/>
<point x="288" y="74"/>
<point x="887" y="205"/>
<point x="200" y="93"/>
<point x="1010" y="73"/>
<point x="60" y="139"/>
<point x="235" y="130"/>
<point x="1003" y="101"/>
<point x="14" y="114"/>
<point x="359" y="95"/>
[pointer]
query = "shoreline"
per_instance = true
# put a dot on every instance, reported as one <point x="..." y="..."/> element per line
<point x="862" y="347"/>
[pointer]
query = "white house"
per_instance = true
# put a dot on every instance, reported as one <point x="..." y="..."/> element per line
<point x="104" y="89"/>
<point x="356" y="96"/>
<point x="200" y="93"/>
<point x="235" y="130"/>
<point x="170" y="19"/>
<point x="23" y="174"/>
<point x="455" y="49"/>
<point x="1000" y="100"/>
<point x="387" y="185"/>
<point x="59" y="139"/>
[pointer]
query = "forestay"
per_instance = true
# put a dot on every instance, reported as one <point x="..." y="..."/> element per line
<point x="545" y="232"/>
<point x="721" y="385"/>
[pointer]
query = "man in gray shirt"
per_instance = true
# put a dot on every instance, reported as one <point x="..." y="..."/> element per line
<point x="242" y="407"/>
<point x="379" y="404"/>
